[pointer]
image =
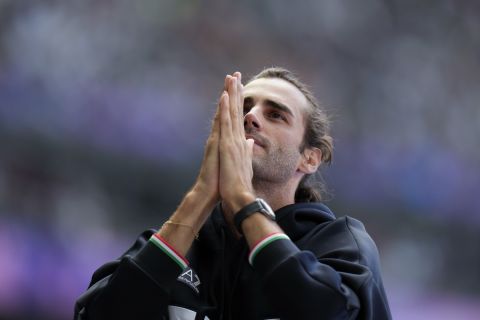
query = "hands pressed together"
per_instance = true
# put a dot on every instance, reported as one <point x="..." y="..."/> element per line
<point x="226" y="172"/>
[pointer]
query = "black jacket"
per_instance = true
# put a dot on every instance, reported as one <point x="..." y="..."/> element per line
<point x="329" y="270"/>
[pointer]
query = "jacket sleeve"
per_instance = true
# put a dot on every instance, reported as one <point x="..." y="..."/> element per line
<point x="336" y="276"/>
<point x="135" y="286"/>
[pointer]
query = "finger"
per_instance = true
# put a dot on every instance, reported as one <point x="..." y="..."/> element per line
<point x="250" y="143"/>
<point x="225" y="83"/>
<point x="211" y="148"/>
<point x="240" y="104"/>
<point x="215" y="131"/>
<point x="216" y="119"/>
<point x="233" y="101"/>
<point x="249" y="151"/>
<point x="225" y="120"/>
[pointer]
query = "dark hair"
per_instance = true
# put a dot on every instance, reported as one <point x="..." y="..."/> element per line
<point x="317" y="127"/>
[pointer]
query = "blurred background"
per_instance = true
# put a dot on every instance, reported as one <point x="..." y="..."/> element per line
<point x="105" y="107"/>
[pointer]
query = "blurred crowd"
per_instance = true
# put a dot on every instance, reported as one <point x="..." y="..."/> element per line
<point x="105" y="106"/>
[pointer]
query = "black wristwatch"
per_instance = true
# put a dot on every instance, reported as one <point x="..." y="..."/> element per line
<point x="260" y="206"/>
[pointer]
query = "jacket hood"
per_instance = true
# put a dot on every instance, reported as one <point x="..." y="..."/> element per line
<point x="299" y="218"/>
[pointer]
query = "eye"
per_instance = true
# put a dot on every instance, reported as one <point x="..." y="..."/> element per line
<point x="277" y="115"/>
<point x="247" y="105"/>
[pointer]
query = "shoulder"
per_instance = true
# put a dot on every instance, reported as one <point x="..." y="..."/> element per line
<point x="367" y="249"/>
<point x="343" y="237"/>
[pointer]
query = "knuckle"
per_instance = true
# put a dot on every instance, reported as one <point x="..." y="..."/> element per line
<point x="210" y="141"/>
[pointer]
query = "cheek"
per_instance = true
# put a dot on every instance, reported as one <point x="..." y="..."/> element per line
<point x="291" y="139"/>
<point x="289" y="144"/>
<point x="286" y="138"/>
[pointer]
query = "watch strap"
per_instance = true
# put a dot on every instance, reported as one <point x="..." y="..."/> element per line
<point x="247" y="211"/>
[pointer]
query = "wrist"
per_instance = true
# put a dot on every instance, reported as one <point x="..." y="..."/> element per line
<point x="240" y="201"/>
<point x="257" y="227"/>
<point x="185" y="223"/>
<point x="203" y="194"/>
<point x="259" y="206"/>
<point x="194" y="209"/>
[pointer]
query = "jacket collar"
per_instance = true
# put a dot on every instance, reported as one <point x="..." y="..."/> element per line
<point x="295" y="219"/>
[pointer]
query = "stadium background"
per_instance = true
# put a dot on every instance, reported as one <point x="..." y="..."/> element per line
<point x="105" y="106"/>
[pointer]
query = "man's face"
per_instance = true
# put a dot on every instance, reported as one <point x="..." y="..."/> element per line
<point x="274" y="117"/>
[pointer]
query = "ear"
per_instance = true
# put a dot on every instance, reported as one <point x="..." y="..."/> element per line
<point x="311" y="160"/>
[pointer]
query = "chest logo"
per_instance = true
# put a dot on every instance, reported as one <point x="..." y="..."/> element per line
<point x="190" y="278"/>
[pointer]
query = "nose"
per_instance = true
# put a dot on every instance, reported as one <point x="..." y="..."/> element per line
<point x="252" y="119"/>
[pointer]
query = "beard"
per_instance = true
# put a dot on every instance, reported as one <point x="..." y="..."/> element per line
<point x="276" y="165"/>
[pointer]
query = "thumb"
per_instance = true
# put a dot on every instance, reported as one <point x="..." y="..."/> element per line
<point x="250" y="143"/>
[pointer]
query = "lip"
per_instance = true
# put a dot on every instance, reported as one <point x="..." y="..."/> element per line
<point x="256" y="140"/>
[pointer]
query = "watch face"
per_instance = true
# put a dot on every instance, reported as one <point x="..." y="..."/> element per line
<point x="266" y="208"/>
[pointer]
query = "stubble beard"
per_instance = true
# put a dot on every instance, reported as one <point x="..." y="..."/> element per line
<point x="275" y="167"/>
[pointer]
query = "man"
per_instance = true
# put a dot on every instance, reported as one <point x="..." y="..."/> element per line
<point x="299" y="262"/>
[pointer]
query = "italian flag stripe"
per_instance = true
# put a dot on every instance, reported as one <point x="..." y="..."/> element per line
<point x="169" y="251"/>
<point x="263" y="243"/>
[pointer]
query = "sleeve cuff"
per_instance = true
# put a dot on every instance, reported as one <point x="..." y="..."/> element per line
<point x="163" y="245"/>
<point x="263" y="243"/>
<point x="162" y="266"/>
<point x="273" y="255"/>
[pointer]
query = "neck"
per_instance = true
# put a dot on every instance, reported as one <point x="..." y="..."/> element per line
<point x="276" y="195"/>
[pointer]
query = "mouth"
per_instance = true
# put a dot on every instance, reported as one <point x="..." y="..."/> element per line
<point x="257" y="140"/>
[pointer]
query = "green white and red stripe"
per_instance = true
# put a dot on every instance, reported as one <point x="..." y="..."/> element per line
<point x="169" y="250"/>
<point x="265" y="242"/>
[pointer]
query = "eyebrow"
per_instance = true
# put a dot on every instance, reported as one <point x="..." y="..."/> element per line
<point x="279" y="106"/>
<point x="272" y="104"/>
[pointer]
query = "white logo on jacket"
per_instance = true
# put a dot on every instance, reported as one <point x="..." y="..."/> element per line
<point x="190" y="278"/>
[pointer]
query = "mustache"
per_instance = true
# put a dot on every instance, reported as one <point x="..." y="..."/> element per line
<point x="259" y="139"/>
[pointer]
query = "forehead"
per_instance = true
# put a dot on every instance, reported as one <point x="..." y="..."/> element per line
<point x="280" y="91"/>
